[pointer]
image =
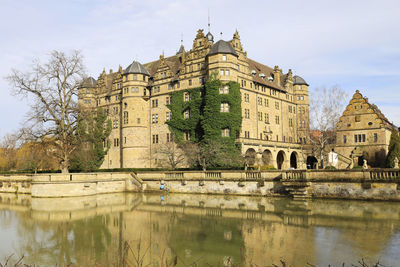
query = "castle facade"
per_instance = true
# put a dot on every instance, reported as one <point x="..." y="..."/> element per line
<point x="275" y="105"/>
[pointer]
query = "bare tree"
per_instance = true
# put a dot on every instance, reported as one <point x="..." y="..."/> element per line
<point x="53" y="87"/>
<point x="170" y="155"/>
<point x="326" y="107"/>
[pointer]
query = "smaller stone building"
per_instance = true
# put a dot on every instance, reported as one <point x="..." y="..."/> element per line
<point x="363" y="132"/>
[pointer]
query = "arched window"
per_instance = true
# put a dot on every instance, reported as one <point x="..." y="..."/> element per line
<point x="186" y="96"/>
<point x="225" y="132"/>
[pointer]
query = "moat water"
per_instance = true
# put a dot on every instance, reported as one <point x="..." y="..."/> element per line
<point x="201" y="229"/>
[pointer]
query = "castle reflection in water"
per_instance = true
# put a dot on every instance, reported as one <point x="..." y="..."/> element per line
<point x="204" y="229"/>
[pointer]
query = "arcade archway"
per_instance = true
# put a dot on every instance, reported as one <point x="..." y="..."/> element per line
<point x="280" y="159"/>
<point x="250" y="156"/>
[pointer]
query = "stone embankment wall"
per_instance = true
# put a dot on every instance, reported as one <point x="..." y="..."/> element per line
<point x="382" y="184"/>
<point x="68" y="185"/>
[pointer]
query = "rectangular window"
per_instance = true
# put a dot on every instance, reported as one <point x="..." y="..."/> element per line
<point x="190" y="82"/>
<point x="125" y="117"/>
<point x="246" y="113"/>
<point x="186" y="96"/>
<point x="266" y="118"/>
<point x="290" y="122"/>
<point x="276" y="105"/>
<point x="277" y="119"/>
<point x="375" y="137"/>
<point x="116" y="142"/>
<point x="227" y="74"/>
<point x="115" y="124"/>
<point x="224" y="107"/>
<point x="222" y="72"/>
<point x="266" y="102"/>
<point x="260" y="116"/>
<point x="355" y="138"/>
<point x="246" y="97"/>
<point x="224" y="90"/>
<point x="344" y="139"/>
<point x="186" y="114"/>
<point x="169" y="137"/>
<point x="154" y="103"/>
<point x="155" y="138"/>
<point x="259" y="100"/>
<point x="187" y="136"/>
<point x="154" y="118"/>
<point x="246" y="134"/>
<point x="168" y="116"/>
<point x="363" y="138"/>
<point x="168" y="100"/>
<point x="223" y="57"/>
<point x="225" y="132"/>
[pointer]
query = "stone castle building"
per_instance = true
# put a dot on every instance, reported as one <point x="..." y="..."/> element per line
<point x="275" y="105"/>
<point x="363" y="132"/>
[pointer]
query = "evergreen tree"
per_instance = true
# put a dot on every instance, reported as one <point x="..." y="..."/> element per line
<point x="92" y="133"/>
<point x="394" y="149"/>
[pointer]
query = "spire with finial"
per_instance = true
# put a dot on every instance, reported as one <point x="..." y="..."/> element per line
<point x="209" y="36"/>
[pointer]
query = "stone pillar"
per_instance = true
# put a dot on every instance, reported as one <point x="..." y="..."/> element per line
<point x="396" y="163"/>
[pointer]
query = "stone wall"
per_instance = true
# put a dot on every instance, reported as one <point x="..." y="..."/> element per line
<point x="380" y="184"/>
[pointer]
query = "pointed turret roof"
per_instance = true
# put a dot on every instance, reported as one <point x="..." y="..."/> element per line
<point x="136" y="68"/>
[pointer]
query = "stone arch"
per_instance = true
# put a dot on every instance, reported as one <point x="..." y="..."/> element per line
<point x="294" y="160"/>
<point x="250" y="156"/>
<point x="312" y="162"/>
<point x="280" y="159"/>
<point x="267" y="157"/>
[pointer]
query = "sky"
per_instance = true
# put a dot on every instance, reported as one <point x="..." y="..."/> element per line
<point x="353" y="44"/>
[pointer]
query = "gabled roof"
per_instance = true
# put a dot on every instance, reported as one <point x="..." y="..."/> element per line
<point x="222" y="47"/>
<point x="172" y="62"/>
<point x="136" y="68"/>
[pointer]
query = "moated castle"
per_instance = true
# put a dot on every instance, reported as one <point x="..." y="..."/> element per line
<point x="274" y="104"/>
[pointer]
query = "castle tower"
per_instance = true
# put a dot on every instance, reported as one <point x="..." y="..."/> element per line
<point x="135" y="117"/>
<point x="300" y="89"/>
<point x="87" y="92"/>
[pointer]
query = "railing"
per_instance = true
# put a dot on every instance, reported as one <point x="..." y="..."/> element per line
<point x="294" y="175"/>
<point x="253" y="175"/>
<point x="384" y="174"/>
<point x="211" y="175"/>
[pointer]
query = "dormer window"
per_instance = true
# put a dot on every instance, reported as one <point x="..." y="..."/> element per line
<point x="253" y="72"/>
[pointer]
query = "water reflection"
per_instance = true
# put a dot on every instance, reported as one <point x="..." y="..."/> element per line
<point x="197" y="228"/>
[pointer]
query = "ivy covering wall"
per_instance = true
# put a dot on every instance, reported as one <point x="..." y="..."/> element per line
<point x="206" y="119"/>
<point x="178" y="125"/>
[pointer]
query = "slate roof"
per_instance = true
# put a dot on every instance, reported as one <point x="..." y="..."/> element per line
<point x="299" y="81"/>
<point x="136" y="68"/>
<point x="222" y="47"/>
<point x="89" y="82"/>
<point x="267" y="71"/>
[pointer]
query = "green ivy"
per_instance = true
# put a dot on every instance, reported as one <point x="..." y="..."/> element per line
<point x="206" y="120"/>
<point x="214" y="120"/>
<point x="178" y="125"/>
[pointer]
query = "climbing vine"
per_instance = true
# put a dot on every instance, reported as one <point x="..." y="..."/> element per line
<point x="214" y="120"/>
<point x="178" y="124"/>
<point x="207" y="121"/>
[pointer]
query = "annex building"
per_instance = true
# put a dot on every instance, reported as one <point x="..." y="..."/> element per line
<point x="274" y="104"/>
<point x="363" y="132"/>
